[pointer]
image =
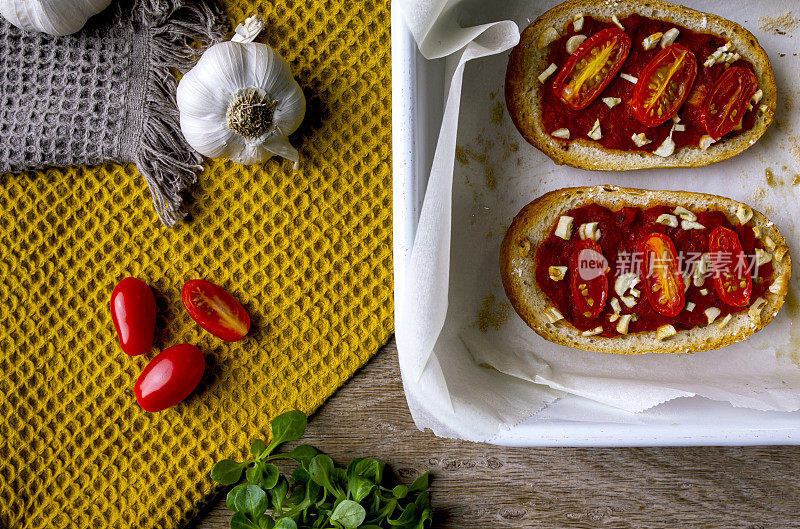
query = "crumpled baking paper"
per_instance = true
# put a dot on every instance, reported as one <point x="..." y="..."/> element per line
<point x="470" y="366"/>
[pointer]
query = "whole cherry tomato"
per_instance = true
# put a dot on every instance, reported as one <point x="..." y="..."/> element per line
<point x="730" y="267"/>
<point x="588" y="279"/>
<point x="662" y="275"/>
<point x="133" y="311"/>
<point x="591" y="68"/>
<point x="664" y="85"/>
<point x="215" y="310"/>
<point x="728" y="100"/>
<point x="170" y="377"/>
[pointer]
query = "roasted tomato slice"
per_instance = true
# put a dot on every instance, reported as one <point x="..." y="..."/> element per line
<point x="662" y="275"/>
<point x="730" y="267"/>
<point x="664" y="85"/>
<point x="728" y="100"/>
<point x="215" y="310"/>
<point x="588" y="280"/>
<point x="591" y="68"/>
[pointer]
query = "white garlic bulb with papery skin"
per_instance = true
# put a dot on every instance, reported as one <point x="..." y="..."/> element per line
<point x="240" y="101"/>
<point x="54" y="17"/>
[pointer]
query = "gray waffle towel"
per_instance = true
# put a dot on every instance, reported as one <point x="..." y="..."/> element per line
<point x="106" y="94"/>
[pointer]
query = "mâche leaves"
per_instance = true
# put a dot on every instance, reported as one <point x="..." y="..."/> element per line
<point x="318" y="494"/>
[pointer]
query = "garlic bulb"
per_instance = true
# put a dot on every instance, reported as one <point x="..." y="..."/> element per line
<point x="55" y="17"/>
<point x="240" y="101"/>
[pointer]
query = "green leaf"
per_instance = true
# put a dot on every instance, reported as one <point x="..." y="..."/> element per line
<point x="227" y="471"/>
<point x="349" y="513"/>
<point x="423" y="500"/>
<point x="420" y="484"/>
<point x="359" y="487"/>
<point x="300" y="475"/>
<point x="426" y="516"/>
<point x="321" y="471"/>
<point x="257" y="447"/>
<point x="230" y="499"/>
<point x="303" y="454"/>
<point x="266" y="522"/>
<point x="286" y="523"/>
<point x="240" y="520"/>
<point x="407" y="516"/>
<point x="271" y="476"/>
<point x="278" y="492"/>
<point x="287" y="427"/>
<point x="254" y="473"/>
<point x="400" y="492"/>
<point x="251" y="500"/>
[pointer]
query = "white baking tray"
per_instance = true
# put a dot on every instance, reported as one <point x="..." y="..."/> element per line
<point x="418" y="88"/>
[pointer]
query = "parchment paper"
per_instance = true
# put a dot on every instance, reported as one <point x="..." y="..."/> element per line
<point x="470" y="365"/>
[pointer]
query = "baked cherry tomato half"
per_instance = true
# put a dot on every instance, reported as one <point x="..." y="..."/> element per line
<point x="133" y="311"/>
<point x="170" y="377"/>
<point x="730" y="268"/>
<point x="215" y="310"/>
<point x="591" y="68"/>
<point x="662" y="275"/>
<point x="664" y="85"/>
<point x="726" y="104"/>
<point x="588" y="279"/>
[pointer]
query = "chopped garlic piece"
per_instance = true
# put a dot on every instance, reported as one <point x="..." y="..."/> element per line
<point x="650" y="42"/>
<point x="757" y="96"/>
<point x="724" y="322"/>
<point x="635" y="293"/>
<point x="557" y="273"/>
<point x="589" y="231"/>
<point x="712" y="313"/>
<point x="763" y="108"/>
<point x="701" y="267"/>
<point x="676" y="118"/>
<point x="779" y="286"/>
<point x="629" y="301"/>
<point x="593" y="332"/>
<point x="669" y="37"/>
<point x="757" y="231"/>
<point x="762" y="257"/>
<point x="546" y="37"/>
<point x="717" y="56"/>
<point x="573" y="42"/>
<point x="780" y="252"/>
<point x="611" y="102"/>
<point x="577" y="22"/>
<point x="629" y="78"/>
<point x="625" y="282"/>
<point x="706" y="141"/>
<point x="690" y="306"/>
<point x="691" y="225"/>
<point x="666" y="148"/>
<point x="640" y="139"/>
<point x="596" y="133"/>
<point x="704" y="292"/>
<point x="561" y="133"/>
<point x="744" y="213"/>
<point x="679" y="127"/>
<point x="664" y="332"/>
<point x="769" y="243"/>
<point x="553" y="315"/>
<point x="615" y="20"/>
<point x="548" y="72"/>
<point x="615" y="306"/>
<point x="668" y="220"/>
<point x="756" y="308"/>
<point x="564" y="228"/>
<point x="684" y="213"/>
<point x="622" y="326"/>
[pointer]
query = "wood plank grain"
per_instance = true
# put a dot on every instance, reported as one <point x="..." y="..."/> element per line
<point x="479" y="485"/>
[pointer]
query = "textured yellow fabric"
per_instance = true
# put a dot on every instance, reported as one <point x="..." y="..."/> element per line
<point x="307" y="252"/>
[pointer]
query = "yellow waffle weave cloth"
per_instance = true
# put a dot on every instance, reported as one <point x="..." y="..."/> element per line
<point x="307" y="252"/>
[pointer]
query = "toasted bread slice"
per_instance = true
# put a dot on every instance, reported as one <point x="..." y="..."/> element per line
<point x="532" y="226"/>
<point x="528" y="60"/>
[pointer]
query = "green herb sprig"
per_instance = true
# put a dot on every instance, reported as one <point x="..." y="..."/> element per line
<point x="318" y="494"/>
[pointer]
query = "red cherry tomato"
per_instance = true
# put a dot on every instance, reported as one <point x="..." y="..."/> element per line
<point x="664" y="85"/>
<point x="728" y="100"/>
<point x="588" y="281"/>
<point x="170" y="377"/>
<point x="692" y="111"/>
<point x="133" y="311"/>
<point x="591" y="68"/>
<point x="730" y="267"/>
<point x="662" y="275"/>
<point x="215" y="310"/>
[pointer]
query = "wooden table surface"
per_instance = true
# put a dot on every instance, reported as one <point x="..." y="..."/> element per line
<point x="485" y="486"/>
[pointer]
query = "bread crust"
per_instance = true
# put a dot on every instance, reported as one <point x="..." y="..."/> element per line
<point x="527" y="61"/>
<point x="535" y="222"/>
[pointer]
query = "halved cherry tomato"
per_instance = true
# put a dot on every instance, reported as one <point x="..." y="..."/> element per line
<point x="588" y="280"/>
<point x="215" y="310"/>
<point x="662" y="275"/>
<point x="170" y="377"/>
<point x="664" y="85"/>
<point x="133" y="311"/>
<point x="730" y="267"/>
<point x="591" y="67"/>
<point x="728" y="100"/>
